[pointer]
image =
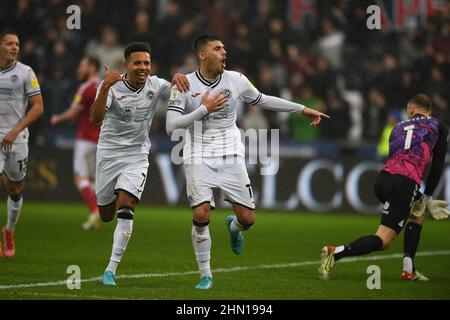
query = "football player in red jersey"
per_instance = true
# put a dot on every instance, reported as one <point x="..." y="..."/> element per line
<point x="87" y="135"/>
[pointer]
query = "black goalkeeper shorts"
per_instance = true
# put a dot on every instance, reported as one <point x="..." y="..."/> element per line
<point x="397" y="193"/>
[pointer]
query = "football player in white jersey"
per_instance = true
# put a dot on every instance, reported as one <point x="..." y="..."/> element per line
<point x="19" y="90"/>
<point x="125" y="104"/>
<point x="213" y="155"/>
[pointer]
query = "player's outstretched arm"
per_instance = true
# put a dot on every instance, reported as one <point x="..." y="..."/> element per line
<point x="98" y="109"/>
<point x="36" y="110"/>
<point x="68" y="115"/>
<point x="279" y="104"/>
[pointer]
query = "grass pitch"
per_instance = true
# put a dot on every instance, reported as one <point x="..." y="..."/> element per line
<point x="280" y="259"/>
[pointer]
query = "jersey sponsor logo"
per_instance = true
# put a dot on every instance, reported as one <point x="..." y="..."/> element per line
<point x="141" y="114"/>
<point x="219" y="115"/>
<point x="150" y="94"/>
<point x="14" y="78"/>
<point x="195" y="94"/>
<point x="6" y="91"/>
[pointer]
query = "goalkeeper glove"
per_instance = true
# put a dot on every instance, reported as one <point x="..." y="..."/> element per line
<point x="438" y="209"/>
<point x="419" y="206"/>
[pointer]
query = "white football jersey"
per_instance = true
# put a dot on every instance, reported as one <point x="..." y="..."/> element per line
<point x="17" y="84"/>
<point x="218" y="134"/>
<point x="129" y="115"/>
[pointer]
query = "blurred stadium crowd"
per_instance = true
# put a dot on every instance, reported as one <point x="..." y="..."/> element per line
<point x="333" y="63"/>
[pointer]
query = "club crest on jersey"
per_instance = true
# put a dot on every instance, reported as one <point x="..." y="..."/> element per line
<point x="150" y="95"/>
<point x="14" y="78"/>
<point x="127" y="114"/>
<point x="226" y="93"/>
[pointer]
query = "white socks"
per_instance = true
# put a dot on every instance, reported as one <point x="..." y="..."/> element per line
<point x="201" y="241"/>
<point x="236" y="226"/>
<point x="339" y="249"/>
<point x="122" y="235"/>
<point x="408" y="265"/>
<point x="13" y="213"/>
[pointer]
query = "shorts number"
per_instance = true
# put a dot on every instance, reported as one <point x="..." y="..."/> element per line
<point x="409" y="134"/>
<point x="23" y="165"/>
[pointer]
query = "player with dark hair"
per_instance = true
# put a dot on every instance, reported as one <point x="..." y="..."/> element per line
<point x="125" y="104"/>
<point x="19" y="91"/>
<point x="86" y="135"/>
<point x="213" y="155"/>
<point x="413" y="145"/>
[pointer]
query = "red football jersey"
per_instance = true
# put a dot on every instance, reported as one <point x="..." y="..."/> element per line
<point x="83" y="100"/>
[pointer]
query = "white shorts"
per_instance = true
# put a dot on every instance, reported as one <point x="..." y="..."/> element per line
<point x="14" y="162"/>
<point x="125" y="173"/>
<point x="231" y="178"/>
<point x="84" y="158"/>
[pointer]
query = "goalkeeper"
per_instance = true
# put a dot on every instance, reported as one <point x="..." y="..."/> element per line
<point x="414" y="144"/>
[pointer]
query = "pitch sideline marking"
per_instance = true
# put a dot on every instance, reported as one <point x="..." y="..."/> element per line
<point x="225" y="270"/>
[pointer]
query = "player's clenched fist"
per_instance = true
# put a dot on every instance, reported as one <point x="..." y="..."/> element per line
<point x="215" y="102"/>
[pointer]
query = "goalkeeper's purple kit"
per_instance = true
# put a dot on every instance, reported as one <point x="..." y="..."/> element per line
<point x="412" y="145"/>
